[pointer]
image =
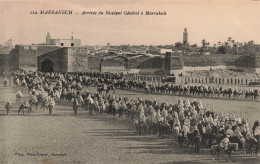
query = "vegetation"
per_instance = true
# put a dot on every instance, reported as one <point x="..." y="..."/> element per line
<point x="230" y="46"/>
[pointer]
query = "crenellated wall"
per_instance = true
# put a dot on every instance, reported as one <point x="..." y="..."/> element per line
<point x="77" y="59"/>
<point x="23" y="57"/>
<point x="209" y="60"/>
<point x="4" y="62"/>
<point x="94" y="62"/>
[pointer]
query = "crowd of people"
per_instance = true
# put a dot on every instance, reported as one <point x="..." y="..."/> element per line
<point x="188" y="121"/>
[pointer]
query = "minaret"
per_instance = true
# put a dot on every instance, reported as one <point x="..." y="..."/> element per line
<point x="48" y="37"/>
<point x="185" y="36"/>
<point x="72" y="36"/>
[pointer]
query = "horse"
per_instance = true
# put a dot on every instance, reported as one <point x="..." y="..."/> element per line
<point x="57" y="96"/>
<point x="24" y="84"/>
<point x="5" y="83"/>
<point x="252" y="144"/>
<point x="50" y="107"/>
<point x="69" y="96"/>
<point x="216" y="149"/>
<point x="17" y="82"/>
<point x="18" y="97"/>
<point x="195" y="138"/>
<point x="8" y="107"/>
<point x="140" y="126"/>
<point x="23" y="107"/>
<point x="176" y="130"/>
<point x="256" y="94"/>
<point x="163" y="128"/>
<point x="75" y="106"/>
<point x="151" y="122"/>
<point x="34" y="102"/>
<point x="147" y="89"/>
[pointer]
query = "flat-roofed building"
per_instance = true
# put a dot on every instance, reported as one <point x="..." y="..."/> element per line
<point x="63" y="42"/>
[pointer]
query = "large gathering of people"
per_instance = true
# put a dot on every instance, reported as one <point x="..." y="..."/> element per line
<point x="189" y="121"/>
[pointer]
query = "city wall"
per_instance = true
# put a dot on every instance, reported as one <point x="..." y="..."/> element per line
<point x="59" y="58"/>
<point x="198" y="80"/>
<point x="77" y="59"/>
<point x="44" y="49"/>
<point x="4" y="62"/>
<point x="23" y="57"/>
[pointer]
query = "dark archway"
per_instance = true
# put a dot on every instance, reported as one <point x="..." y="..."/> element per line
<point x="47" y="66"/>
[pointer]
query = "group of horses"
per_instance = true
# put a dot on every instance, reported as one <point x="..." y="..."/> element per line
<point x="67" y="90"/>
<point x="191" y="90"/>
<point x="174" y="89"/>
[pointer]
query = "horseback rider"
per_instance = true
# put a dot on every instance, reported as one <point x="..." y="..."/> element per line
<point x="75" y="106"/>
<point x="185" y="130"/>
<point x="142" y="116"/>
<point x="19" y="95"/>
<point x="8" y="106"/>
<point x="25" y="105"/>
<point x="197" y="138"/>
<point x="225" y="142"/>
<point x="5" y="82"/>
<point x="240" y="138"/>
<point x="51" y="104"/>
<point x="164" y="113"/>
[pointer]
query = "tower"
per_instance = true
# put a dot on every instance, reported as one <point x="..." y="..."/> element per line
<point x="173" y="63"/>
<point x="185" y="36"/>
<point x="48" y="37"/>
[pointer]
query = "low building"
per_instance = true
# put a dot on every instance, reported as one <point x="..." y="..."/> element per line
<point x="63" y="42"/>
<point x="164" y="50"/>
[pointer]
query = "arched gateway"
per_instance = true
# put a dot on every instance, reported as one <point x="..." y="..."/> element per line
<point x="47" y="66"/>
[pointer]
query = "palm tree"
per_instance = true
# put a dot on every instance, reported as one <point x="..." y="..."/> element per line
<point x="203" y="42"/>
<point x="229" y="39"/>
<point x="226" y="43"/>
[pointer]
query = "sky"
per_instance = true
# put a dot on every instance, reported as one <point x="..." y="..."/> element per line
<point x="212" y="20"/>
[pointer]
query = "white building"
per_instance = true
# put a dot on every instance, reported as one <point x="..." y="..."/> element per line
<point x="63" y="42"/>
<point x="164" y="50"/>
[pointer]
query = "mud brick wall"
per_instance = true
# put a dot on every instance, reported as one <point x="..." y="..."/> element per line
<point x="59" y="58"/>
<point x="44" y="49"/>
<point x="114" y="62"/>
<point x="77" y="60"/>
<point x="209" y="60"/>
<point x="4" y="62"/>
<point x="94" y="63"/>
<point x="24" y="57"/>
<point x="145" y="62"/>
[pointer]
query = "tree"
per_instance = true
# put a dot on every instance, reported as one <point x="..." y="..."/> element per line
<point x="235" y="47"/>
<point x="222" y="50"/>
<point x="204" y="43"/>
<point x="178" y="45"/>
<point x="229" y="40"/>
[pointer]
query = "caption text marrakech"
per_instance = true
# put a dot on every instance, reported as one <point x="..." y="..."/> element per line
<point x="70" y="12"/>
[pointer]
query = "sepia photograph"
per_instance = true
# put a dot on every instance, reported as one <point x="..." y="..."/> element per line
<point x="129" y="81"/>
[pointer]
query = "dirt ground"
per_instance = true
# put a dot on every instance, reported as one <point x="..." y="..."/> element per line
<point x="65" y="138"/>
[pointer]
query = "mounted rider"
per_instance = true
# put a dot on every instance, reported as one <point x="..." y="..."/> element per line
<point x="75" y="105"/>
<point x="225" y="142"/>
<point x="8" y="106"/>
